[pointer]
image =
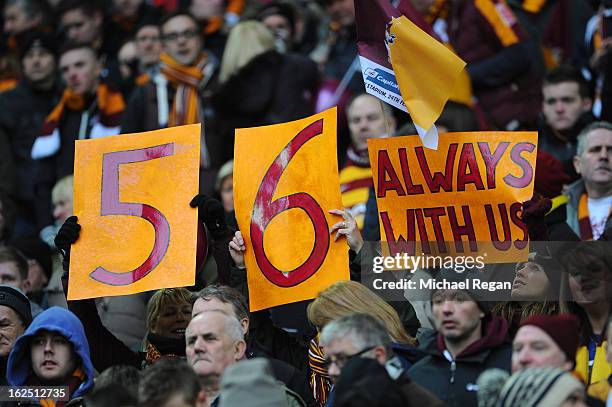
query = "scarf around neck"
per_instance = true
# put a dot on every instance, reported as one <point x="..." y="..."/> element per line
<point x="74" y="381"/>
<point x="186" y="107"/>
<point x="109" y="104"/>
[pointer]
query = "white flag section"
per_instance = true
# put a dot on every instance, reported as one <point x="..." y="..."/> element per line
<point x="380" y="82"/>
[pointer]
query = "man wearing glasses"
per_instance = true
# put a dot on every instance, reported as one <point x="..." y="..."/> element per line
<point x="361" y="335"/>
<point x="177" y="96"/>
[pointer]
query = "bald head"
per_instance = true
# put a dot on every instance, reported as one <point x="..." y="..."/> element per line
<point x="368" y="117"/>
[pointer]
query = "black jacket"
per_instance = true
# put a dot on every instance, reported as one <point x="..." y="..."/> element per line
<point x="272" y="88"/>
<point x="22" y="113"/>
<point x="455" y="381"/>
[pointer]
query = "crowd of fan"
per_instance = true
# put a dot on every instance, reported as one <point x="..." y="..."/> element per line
<point x="77" y="69"/>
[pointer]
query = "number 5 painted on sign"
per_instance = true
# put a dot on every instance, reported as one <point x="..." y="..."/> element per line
<point x="265" y="209"/>
<point x="111" y="205"/>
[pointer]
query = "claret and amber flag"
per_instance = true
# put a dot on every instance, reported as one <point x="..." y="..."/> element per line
<point x="405" y="66"/>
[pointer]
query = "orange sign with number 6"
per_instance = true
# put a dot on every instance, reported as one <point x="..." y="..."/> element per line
<point x="285" y="182"/>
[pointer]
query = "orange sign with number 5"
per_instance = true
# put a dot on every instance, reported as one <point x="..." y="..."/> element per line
<point x="285" y="182"/>
<point x="131" y="195"/>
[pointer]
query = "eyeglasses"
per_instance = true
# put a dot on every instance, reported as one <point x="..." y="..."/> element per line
<point x="187" y="34"/>
<point x="342" y="360"/>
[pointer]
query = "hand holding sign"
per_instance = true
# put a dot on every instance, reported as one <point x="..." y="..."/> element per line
<point x="136" y="236"/>
<point x="285" y="178"/>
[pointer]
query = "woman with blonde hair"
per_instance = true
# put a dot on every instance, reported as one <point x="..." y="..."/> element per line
<point x="349" y="297"/>
<point x="260" y="86"/>
<point x="340" y="299"/>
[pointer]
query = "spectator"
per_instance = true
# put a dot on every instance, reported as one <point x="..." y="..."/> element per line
<point x="225" y="186"/>
<point x="178" y="96"/>
<point x="15" y="317"/>
<point x="52" y="351"/>
<point x="128" y="377"/>
<point x="279" y="18"/>
<point x="250" y="382"/>
<point x="345" y="298"/>
<point x="38" y="255"/>
<point x="487" y="35"/>
<point x="601" y="390"/>
<point x="531" y="387"/>
<point x="286" y="356"/>
<point x="556" y="27"/>
<point x="590" y="198"/>
<point x="535" y="290"/>
<point x="546" y="341"/>
<point x="170" y="383"/>
<point x="22" y="113"/>
<point x="147" y="39"/>
<point x="127" y="16"/>
<point x="258" y="85"/>
<point x="87" y="109"/>
<point x="367" y="117"/>
<point x="23" y="15"/>
<point x="217" y="18"/>
<point x="336" y="52"/>
<point x="566" y="110"/>
<point x="83" y="23"/>
<point x="14" y="270"/>
<point x="586" y="292"/>
<point x="362" y="335"/>
<point x="210" y="358"/>
<point x="113" y="395"/>
<point x="469" y="340"/>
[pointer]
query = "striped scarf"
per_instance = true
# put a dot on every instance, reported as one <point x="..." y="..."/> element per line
<point x="110" y="106"/>
<point x="73" y="383"/>
<point x="319" y="380"/>
<point x="584" y="221"/>
<point x="186" y="108"/>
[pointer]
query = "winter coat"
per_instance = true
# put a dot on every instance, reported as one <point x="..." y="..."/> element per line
<point x="454" y="381"/>
<point x="59" y="320"/>
<point x="272" y="88"/>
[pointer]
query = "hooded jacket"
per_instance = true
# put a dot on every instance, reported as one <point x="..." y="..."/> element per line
<point x="454" y="381"/>
<point x="59" y="320"/>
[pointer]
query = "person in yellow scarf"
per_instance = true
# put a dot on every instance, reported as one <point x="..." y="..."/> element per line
<point x="88" y="108"/>
<point x="176" y="95"/>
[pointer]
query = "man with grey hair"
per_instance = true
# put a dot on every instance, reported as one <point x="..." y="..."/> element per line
<point x="361" y="335"/>
<point x="214" y="341"/>
<point x="589" y="200"/>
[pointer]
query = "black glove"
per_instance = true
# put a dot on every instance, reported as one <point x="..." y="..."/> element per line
<point x="67" y="235"/>
<point x="210" y="211"/>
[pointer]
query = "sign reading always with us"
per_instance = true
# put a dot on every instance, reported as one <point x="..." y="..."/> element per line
<point x="285" y="182"/>
<point x="469" y="192"/>
<point x="131" y="195"/>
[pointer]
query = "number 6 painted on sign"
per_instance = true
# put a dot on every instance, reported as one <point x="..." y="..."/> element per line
<point x="265" y="210"/>
<point x="111" y="205"/>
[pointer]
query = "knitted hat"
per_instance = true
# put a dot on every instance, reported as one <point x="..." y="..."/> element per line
<point x="539" y="387"/>
<point x="250" y="383"/>
<point x="549" y="176"/>
<point x="563" y="329"/>
<point x="38" y="39"/>
<point x="13" y="298"/>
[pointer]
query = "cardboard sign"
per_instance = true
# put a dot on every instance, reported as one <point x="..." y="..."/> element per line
<point x="468" y="191"/>
<point x="285" y="182"/>
<point x="131" y="195"/>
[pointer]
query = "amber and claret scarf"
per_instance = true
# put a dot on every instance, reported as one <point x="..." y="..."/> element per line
<point x="186" y="107"/>
<point x="584" y="221"/>
<point x="73" y="383"/>
<point x="110" y="105"/>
